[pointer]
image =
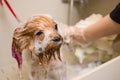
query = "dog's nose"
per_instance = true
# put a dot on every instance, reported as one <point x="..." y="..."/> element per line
<point x="56" y="39"/>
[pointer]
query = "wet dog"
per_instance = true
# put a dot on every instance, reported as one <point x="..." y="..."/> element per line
<point x="40" y="40"/>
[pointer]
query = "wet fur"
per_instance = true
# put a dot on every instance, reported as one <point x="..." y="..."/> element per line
<point x="45" y="63"/>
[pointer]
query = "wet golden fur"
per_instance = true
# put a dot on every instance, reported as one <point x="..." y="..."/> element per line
<point x="25" y="38"/>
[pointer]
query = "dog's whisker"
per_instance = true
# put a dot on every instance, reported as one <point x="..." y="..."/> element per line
<point x="45" y="56"/>
<point x="41" y="58"/>
<point x="50" y="55"/>
<point x="54" y="56"/>
<point x="58" y="53"/>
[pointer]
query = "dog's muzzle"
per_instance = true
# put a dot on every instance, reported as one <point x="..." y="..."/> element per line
<point x="52" y="49"/>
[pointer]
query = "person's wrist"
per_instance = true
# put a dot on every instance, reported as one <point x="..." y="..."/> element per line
<point x="71" y="31"/>
<point x="78" y="35"/>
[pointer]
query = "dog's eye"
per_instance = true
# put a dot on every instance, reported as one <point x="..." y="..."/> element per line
<point x="39" y="33"/>
<point x="56" y="28"/>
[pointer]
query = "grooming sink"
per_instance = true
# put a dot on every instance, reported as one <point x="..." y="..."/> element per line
<point x="107" y="71"/>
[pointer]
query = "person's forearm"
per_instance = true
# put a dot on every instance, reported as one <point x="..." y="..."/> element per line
<point x="102" y="28"/>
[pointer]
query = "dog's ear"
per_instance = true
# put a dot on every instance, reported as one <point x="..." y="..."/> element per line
<point x="15" y="50"/>
<point x="21" y="41"/>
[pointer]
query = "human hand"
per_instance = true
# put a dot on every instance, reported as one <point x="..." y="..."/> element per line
<point x="65" y="31"/>
<point x="79" y="36"/>
<point x="74" y="33"/>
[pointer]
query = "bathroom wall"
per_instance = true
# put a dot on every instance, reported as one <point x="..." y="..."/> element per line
<point x="25" y="9"/>
<point x="103" y="7"/>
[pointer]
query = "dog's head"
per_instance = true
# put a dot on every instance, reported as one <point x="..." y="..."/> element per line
<point x="41" y="36"/>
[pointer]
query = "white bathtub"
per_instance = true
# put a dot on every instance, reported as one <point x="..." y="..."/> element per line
<point x="107" y="71"/>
